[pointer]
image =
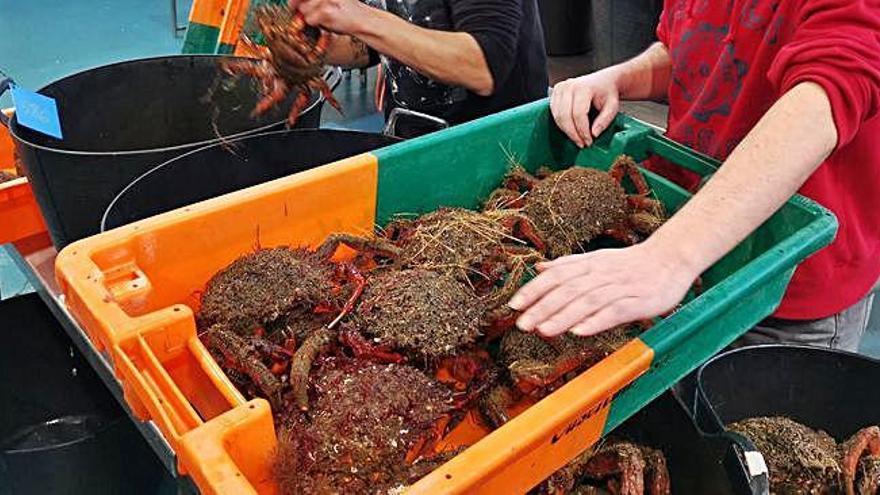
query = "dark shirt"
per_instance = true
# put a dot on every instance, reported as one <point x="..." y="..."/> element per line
<point x="508" y="32"/>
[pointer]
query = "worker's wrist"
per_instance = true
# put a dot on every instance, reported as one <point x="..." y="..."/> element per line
<point x="675" y="254"/>
<point x="367" y="20"/>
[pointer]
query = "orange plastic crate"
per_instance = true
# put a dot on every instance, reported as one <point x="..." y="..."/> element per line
<point x="127" y="287"/>
<point x="20" y="216"/>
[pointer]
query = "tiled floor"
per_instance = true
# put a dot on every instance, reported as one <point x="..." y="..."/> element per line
<point x="45" y="39"/>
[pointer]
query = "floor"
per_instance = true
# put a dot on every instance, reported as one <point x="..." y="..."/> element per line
<point x="37" y="48"/>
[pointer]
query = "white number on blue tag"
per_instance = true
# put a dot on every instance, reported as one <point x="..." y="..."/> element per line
<point x="36" y="111"/>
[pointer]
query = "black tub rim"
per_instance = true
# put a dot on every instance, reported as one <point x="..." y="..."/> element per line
<point x="110" y="423"/>
<point x="703" y="397"/>
<point x="225" y="142"/>
<point x="12" y="122"/>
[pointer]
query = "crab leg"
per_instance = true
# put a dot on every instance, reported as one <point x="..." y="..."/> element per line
<point x="355" y="276"/>
<point x="620" y="459"/>
<point x="626" y="166"/>
<point x="865" y="442"/>
<point x="362" y="348"/>
<point x="301" y="365"/>
<point x="377" y="246"/>
<point x="656" y="472"/>
<point x="245" y="358"/>
<point x="302" y="99"/>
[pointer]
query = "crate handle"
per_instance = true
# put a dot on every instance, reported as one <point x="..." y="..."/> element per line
<point x="680" y="155"/>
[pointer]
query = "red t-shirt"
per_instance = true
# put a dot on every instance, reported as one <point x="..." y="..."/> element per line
<point x="731" y="60"/>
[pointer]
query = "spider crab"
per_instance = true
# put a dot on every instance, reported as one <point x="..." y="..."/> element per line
<point x="536" y="366"/>
<point x="291" y="62"/>
<point x="618" y="466"/>
<point x="571" y="207"/>
<point x="269" y="310"/>
<point x="372" y="428"/>
<point x="490" y="253"/>
<point x="803" y="460"/>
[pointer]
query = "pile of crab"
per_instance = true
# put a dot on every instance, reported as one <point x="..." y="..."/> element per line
<point x="370" y="360"/>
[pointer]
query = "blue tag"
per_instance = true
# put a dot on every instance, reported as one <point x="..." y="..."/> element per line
<point x="36" y="111"/>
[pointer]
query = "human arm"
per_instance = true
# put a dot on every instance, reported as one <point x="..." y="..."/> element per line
<point x="589" y="293"/>
<point x="452" y="57"/>
<point x="347" y="52"/>
<point x="644" y="77"/>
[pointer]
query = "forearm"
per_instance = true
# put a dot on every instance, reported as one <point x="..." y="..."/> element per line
<point x="448" y="57"/>
<point x="646" y="76"/>
<point x="347" y="52"/>
<point x="780" y="153"/>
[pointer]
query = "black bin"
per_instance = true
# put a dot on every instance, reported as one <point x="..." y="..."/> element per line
<point x="61" y="431"/>
<point x="698" y="463"/>
<point x="120" y="120"/>
<point x="566" y="25"/>
<point x="830" y="390"/>
<point x="232" y="165"/>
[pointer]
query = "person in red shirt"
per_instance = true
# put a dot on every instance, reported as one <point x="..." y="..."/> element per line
<point x="786" y="93"/>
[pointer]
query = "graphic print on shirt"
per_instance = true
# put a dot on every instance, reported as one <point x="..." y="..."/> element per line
<point x="409" y="88"/>
<point x="711" y="82"/>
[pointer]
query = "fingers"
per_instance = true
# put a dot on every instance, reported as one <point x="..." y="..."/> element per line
<point x="565" y="260"/>
<point x="609" y="109"/>
<point x="544" y="283"/>
<point x="561" y="102"/>
<point x="580" y="110"/>
<point x="587" y="303"/>
<point x="615" y="314"/>
<point x="294" y="4"/>
<point x="554" y="301"/>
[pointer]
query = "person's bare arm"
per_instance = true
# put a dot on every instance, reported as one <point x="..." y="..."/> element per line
<point x="643" y="77"/>
<point x="347" y="52"/>
<point x="450" y="57"/>
<point x="589" y="293"/>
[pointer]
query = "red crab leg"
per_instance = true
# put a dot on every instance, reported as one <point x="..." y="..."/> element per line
<point x="321" y="86"/>
<point x="623" y="459"/>
<point x="623" y="234"/>
<point x="302" y="99"/>
<point x="865" y="442"/>
<point x="626" y="166"/>
<point x="362" y="348"/>
<point x="528" y="383"/>
<point x="246" y="359"/>
<point x="360" y="281"/>
<point x="523" y="229"/>
<point x="301" y="365"/>
<point x="276" y="95"/>
<point x="656" y="473"/>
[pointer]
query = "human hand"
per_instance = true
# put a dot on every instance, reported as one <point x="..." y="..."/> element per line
<point x="589" y="293"/>
<point x="571" y="100"/>
<point x="338" y="16"/>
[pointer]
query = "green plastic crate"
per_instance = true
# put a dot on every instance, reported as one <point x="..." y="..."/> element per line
<point x="462" y="165"/>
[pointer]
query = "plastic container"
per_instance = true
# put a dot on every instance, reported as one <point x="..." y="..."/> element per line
<point x="134" y="289"/>
<point x="119" y="120"/>
<point x="698" y="463"/>
<point x="232" y="165"/>
<point x="60" y="429"/>
<point x="834" y="391"/>
<point x="19" y="213"/>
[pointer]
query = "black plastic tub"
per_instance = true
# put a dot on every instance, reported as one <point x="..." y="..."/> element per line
<point x="61" y="431"/>
<point x="119" y="120"/>
<point x="698" y="463"/>
<point x="834" y="391"/>
<point x="232" y="165"/>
